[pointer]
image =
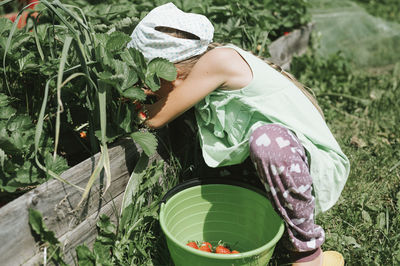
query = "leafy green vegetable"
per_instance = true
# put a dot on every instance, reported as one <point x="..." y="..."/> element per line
<point x="46" y="237"/>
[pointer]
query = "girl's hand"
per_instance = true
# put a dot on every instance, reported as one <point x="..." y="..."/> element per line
<point x="151" y="93"/>
<point x="165" y="88"/>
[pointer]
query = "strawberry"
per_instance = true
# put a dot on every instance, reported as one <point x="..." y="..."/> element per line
<point x="142" y="116"/>
<point x="192" y="244"/>
<point x="222" y="250"/>
<point x="83" y="134"/>
<point x="235" y="252"/>
<point x="138" y="105"/>
<point x="205" y="246"/>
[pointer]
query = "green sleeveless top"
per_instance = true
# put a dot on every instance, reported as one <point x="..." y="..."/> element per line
<point x="226" y="119"/>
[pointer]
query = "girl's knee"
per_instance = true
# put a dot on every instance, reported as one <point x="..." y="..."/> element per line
<point x="266" y="136"/>
<point x="261" y="140"/>
<point x="274" y="141"/>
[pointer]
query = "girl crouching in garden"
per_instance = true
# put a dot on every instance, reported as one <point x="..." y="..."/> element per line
<point x="245" y="106"/>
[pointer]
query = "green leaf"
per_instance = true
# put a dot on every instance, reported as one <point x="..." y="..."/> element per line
<point x="27" y="174"/>
<point x="397" y="255"/>
<point x="101" y="39"/>
<point x="20" y="122"/>
<point x="105" y="240"/>
<point x="134" y="94"/>
<point x="366" y="217"/>
<point x="7" y="112"/>
<point x="381" y="220"/>
<point x="85" y="256"/>
<point x="102" y="253"/>
<point x="127" y="115"/>
<point x="5" y="25"/>
<point x="11" y="186"/>
<point x="111" y="134"/>
<point x="36" y="221"/>
<point x="104" y="56"/>
<point x="127" y="210"/>
<point x="134" y="182"/>
<point x="156" y="173"/>
<point x="152" y="81"/>
<point x="117" y="41"/>
<point x="56" y="165"/>
<point x="162" y="68"/>
<point x="128" y="75"/>
<point x="130" y="78"/>
<point x="128" y="58"/>
<point x="6" y="144"/>
<point x="159" y="68"/>
<point x="105" y="76"/>
<point x="37" y="225"/>
<point x="19" y="140"/>
<point x="19" y="40"/>
<point x="138" y="59"/>
<point x="147" y="141"/>
<point x="349" y="240"/>
<point x="4" y="100"/>
<point x="105" y="226"/>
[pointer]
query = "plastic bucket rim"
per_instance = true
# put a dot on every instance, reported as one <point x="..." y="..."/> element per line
<point x="208" y="181"/>
<point x="247" y="254"/>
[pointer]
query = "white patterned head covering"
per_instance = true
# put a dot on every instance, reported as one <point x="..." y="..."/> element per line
<point x="153" y="43"/>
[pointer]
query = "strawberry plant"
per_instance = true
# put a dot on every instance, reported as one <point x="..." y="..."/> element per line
<point x="17" y="167"/>
<point x="81" y="77"/>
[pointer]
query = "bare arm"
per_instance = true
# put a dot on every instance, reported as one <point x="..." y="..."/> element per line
<point x="209" y="73"/>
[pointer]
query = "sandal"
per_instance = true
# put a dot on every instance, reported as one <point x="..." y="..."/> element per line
<point x="332" y="258"/>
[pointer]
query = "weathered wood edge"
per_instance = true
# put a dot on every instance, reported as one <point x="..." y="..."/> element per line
<point x="85" y="232"/>
<point x="57" y="202"/>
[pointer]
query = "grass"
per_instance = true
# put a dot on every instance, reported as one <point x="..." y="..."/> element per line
<point x="365" y="223"/>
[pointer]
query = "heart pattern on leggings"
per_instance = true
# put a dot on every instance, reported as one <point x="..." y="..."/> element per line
<point x="295" y="168"/>
<point x="282" y="143"/>
<point x="263" y="140"/>
<point x="276" y="171"/>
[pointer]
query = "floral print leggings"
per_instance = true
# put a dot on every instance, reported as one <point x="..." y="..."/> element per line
<point x="282" y="166"/>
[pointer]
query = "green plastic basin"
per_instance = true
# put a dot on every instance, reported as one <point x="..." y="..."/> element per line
<point x="240" y="217"/>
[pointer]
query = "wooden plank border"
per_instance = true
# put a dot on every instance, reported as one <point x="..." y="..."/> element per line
<point x="57" y="202"/>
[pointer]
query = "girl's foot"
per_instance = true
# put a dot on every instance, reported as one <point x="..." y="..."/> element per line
<point x="326" y="258"/>
<point x="332" y="258"/>
<point x="316" y="260"/>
